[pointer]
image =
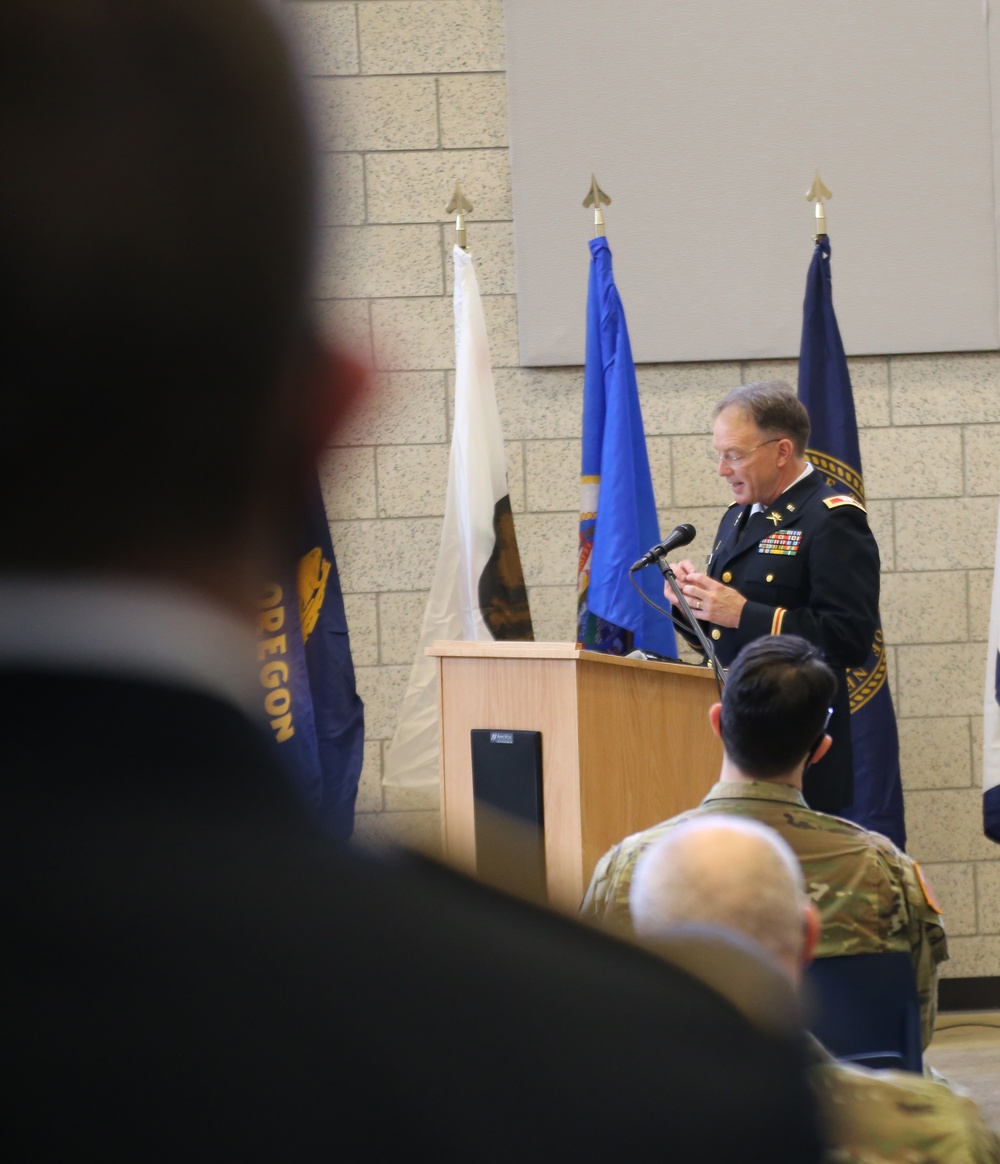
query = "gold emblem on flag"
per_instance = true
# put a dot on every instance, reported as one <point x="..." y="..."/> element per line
<point x="864" y="683"/>
<point x="837" y="474"/>
<point x="314" y="570"/>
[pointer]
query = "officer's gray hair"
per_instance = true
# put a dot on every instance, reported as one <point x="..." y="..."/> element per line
<point x="725" y="871"/>
<point x="773" y="407"/>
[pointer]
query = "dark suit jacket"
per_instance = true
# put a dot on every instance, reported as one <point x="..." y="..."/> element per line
<point x="812" y="570"/>
<point x="193" y="972"/>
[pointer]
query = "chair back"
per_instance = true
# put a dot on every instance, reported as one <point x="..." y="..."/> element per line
<point x="866" y="1009"/>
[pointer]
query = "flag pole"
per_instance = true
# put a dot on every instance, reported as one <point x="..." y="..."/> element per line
<point x="818" y="192"/>
<point x="825" y="390"/>
<point x="460" y="206"/>
<point x="595" y="197"/>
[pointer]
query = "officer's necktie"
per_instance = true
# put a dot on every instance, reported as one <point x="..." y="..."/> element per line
<point x="756" y="525"/>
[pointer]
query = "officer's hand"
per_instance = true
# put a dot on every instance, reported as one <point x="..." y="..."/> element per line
<point x="710" y="601"/>
<point x="682" y="571"/>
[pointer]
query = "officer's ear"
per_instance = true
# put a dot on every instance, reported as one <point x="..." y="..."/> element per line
<point x="715" y="718"/>
<point x="785" y="449"/>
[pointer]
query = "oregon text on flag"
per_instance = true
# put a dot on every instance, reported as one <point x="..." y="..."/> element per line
<point x="307" y="675"/>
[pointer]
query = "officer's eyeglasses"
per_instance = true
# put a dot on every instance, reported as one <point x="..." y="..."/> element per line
<point x="731" y="457"/>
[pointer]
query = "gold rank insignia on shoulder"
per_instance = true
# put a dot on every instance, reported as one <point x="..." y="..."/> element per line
<point x="790" y="507"/>
<point x="774" y="516"/>
<point x="843" y="499"/>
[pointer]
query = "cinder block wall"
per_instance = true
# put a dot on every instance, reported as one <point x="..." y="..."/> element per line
<point x="409" y="95"/>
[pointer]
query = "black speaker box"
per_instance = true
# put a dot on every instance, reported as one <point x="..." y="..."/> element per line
<point x="509" y="815"/>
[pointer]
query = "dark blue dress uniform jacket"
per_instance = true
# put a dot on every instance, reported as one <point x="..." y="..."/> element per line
<point x="193" y="972"/>
<point x="809" y="566"/>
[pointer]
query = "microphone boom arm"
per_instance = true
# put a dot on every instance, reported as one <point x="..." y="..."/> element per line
<point x="682" y="602"/>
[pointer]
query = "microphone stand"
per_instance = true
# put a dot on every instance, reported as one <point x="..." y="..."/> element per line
<point x="693" y="622"/>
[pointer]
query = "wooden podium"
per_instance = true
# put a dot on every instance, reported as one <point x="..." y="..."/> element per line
<point x="625" y="743"/>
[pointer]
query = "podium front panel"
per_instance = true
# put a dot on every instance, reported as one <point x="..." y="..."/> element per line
<point x="625" y="743"/>
<point x="525" y="695"/>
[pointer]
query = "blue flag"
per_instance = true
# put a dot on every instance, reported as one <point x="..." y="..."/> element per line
<point x="618" y="521"/>
<point x="307" y="675"/>
<point x="825" y="390"/>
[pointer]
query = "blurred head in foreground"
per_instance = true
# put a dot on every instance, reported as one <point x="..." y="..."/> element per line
<point x="734" y="873"/>
<point x="164" y="395"/>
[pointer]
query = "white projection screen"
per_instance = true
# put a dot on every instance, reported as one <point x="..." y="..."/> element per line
<point x="705" y="123"/>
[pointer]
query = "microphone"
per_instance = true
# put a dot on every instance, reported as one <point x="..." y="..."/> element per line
<point x="683" y="534"/>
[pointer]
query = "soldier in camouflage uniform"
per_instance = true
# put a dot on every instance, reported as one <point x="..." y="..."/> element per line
<point x="740" y="875"/>
<point x="871" y="897"/>
<point x="895" y="1117"/>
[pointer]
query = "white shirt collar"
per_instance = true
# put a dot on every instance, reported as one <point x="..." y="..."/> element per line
<point x="127" y="628"/>
<point x="758" y="508"/>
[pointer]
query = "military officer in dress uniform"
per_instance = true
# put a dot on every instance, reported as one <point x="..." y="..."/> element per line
<point x="791" y="555"/>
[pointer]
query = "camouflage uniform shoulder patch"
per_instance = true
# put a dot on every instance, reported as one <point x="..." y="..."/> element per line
<point x="929" y="895"/>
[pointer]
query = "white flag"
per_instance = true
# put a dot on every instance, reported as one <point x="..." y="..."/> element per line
<point x="991" y="715"/>
<point x="478" y="591"/>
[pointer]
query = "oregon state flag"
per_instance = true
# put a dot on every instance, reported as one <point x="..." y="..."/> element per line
<point x="618" y="521"/>
<point x="307" y="678"/>
<point x="825" y="390"/>
<point x="478" y="592"/>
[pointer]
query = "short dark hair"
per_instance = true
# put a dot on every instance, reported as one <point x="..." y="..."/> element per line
<point x="773" y="407"/>
<point x="774" y="704"/>
<point x="155" y="254"/>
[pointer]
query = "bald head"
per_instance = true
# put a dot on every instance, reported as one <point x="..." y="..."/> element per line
<point x="725" y="871"/>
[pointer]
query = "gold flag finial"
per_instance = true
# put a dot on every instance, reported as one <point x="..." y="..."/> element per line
<point x="596" y="197"/>
<point x="460" y="206"/>
<point x="819" y="192"/>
